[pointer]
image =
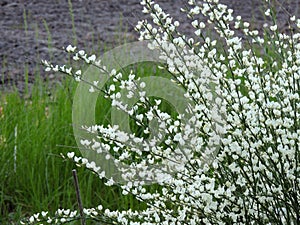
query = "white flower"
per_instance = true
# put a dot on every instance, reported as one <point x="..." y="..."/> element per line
<point x="69" y="71"/>
<point x="31" y="219"/>
<point x="142" y="84"/>
<point x="70" y="48"/>
<point x="91" y="90"/>
<point x="201" y="25"/>
<point x="85" y="142"/>
<point x="274" y="27"/>
<point x="113" y="72"/>
<point x="110" y="182"/>
<point x="70" y="155"/>
<point x="46" y="63"/>
<point x="195" y="23"/>
<point x="198" y="32"/>
<point x="176" y="24"/>
<point x="81" y="52"/>
<point x="55" y="68"/>
<point x="76" y="57"/>
<point x="268" y="12"/>
<point x="246" y="24"/>
<point x="293" y="18"/>
<point x="92" y="58"/>
<point x="78" y="72"/>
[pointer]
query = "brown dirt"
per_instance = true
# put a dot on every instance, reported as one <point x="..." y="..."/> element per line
<point x="24" y="39"/>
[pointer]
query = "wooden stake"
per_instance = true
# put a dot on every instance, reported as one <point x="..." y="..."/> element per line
<point x="78" y="197"/>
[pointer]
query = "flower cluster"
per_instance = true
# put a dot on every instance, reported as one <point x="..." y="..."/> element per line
<point x="233" y="156"/>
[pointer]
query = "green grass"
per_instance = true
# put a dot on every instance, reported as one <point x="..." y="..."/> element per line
<point x="37" y="129"/>
<point x="36" y="176"/>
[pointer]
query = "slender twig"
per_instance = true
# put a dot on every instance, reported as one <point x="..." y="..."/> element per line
<point x="78" y="197"/>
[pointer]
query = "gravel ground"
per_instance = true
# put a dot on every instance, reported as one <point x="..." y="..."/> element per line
<point x="31" y="30"/>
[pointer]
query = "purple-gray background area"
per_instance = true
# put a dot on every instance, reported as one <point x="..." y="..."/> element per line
<point x="31" y="30"/>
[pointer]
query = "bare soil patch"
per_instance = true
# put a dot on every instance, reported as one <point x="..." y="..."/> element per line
<point x="38" y="29"/>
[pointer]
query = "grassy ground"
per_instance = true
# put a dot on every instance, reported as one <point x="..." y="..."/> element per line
<point x="32" y="134"/>
<point x="34" y="131"/>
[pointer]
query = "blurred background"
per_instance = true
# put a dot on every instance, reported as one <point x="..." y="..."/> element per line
<point x="31" y="30"/>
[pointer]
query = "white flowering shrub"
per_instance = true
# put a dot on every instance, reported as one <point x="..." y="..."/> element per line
<point x="233" y="156"/>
